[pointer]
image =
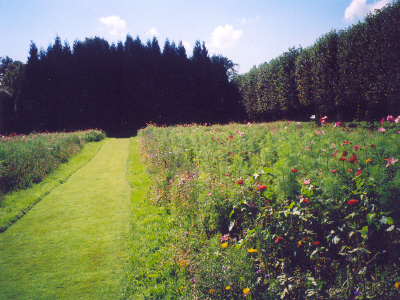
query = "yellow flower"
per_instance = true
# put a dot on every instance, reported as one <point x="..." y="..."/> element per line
<point x="211" y="291"/>
<point x="397" y="286"/>
<point x="184" y="263"/>
<point x="299" y="244"/>
<point x="224" y="245"/>
<point x="368" y="160"/>
<point x="228" y="287"/>
<point x="246" y="291"/>
<point x="251" y="250"/>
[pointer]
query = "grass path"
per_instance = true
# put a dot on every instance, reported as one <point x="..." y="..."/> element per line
<point x="73" y="244"/>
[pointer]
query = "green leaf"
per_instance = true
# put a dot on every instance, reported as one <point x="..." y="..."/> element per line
<point x="364" y="232"/>
<point x="232" y="212"/>
<point x="370" y="216"/>
<point x="389" y="221"/>
<point x="383" y="220"/>
<point x="291" y="205"/>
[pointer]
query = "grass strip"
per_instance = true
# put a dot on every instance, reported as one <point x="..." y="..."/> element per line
<point x="17" y="204"/>
<point x="73" y="243"/>
<point x="149" y="275"/>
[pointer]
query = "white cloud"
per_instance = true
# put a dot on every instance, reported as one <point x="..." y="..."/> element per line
<point x="115" y="25"/>
<point x="360" y="8"/>
<point x="225" y="37"/>
<point x="152" y="32"/>
<point x="242" y="21"/>
<point x="187" y="46"/>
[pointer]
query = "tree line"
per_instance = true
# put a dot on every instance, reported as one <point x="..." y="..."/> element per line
<point x="347" y="74"/>
<point x="118" y="88"/>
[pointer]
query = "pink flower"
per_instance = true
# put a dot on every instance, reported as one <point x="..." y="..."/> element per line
<point x="209" y="193"/>
<point x="345" y="143"/>
<point x="359" y="172"/>
<point x="225" y="237"/>
<point x="307" y="182"/>
<point x="382" y="121"/>
<point x="391" y="161"/>
<point x="390" y="119"/>
<point x="322" y="132"/>
<point x="231" y="136"/>
<point x="307" y="148"/>
<point x="240" y="133"/>
<point x="397" y="119"/>
<point x="381" y="129"/>
<point x="317" y="132"/>
<point x="337" y="124"/>
<point x="356" y="147"/>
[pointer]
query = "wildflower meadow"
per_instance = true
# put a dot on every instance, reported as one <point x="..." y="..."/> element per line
<point x="283" y="210"/>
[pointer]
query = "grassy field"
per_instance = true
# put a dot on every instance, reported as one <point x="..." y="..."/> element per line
<point x="73" y="244"/>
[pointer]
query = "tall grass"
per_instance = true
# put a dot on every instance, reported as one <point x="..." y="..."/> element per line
<point x="283" y="209"/>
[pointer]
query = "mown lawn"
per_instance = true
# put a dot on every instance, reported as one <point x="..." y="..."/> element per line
<point x="73" y="243"/>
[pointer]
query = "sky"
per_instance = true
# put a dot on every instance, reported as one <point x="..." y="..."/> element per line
<point x="248" y="32"/>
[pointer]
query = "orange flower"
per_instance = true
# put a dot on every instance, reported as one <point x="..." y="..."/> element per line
<point x="278" y="240"/>
<point x="316" y="243"/>
<point x="305" y="200"/>
<point x="353" y="202"/>
<point x="334" y="171"/>
<point x="261" y="187"/>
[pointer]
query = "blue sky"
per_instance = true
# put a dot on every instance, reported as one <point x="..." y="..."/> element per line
<point x="249" y="32"/>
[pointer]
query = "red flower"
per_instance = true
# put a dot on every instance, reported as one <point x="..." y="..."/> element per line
<point x="334" y="171"/>
<point x="372" y="145"/>
<point x="266" y="201"/>
<point x="353" y="202"/>
<point x="305" y="200"/>
<point x="350" y="170"/>
<point x="239" y="182"/>
<point x="278" y="240"/>
<point x="344" y="153"/>
<point x="316" y="243"/>
<point x="342" y="158"/>
<point x="359" y="172"/>
<point x="261" y="187"/>
<point x="353" y="159"/>
<point x="294" y="171"/>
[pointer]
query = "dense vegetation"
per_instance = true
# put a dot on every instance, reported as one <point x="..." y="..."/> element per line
<point x="118" y="88"/>
<point x="28" y="159"/>
<point x="351" y="74"/>
<point x="273" y="210"/>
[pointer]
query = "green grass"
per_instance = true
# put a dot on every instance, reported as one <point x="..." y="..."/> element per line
<point x="149" y="275"/>
<point x="73" y="244"/>
<point x="16" y="204"/>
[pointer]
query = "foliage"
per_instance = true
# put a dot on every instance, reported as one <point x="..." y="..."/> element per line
<point x="280" y="209"/>
<point x="120" y="87"/>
